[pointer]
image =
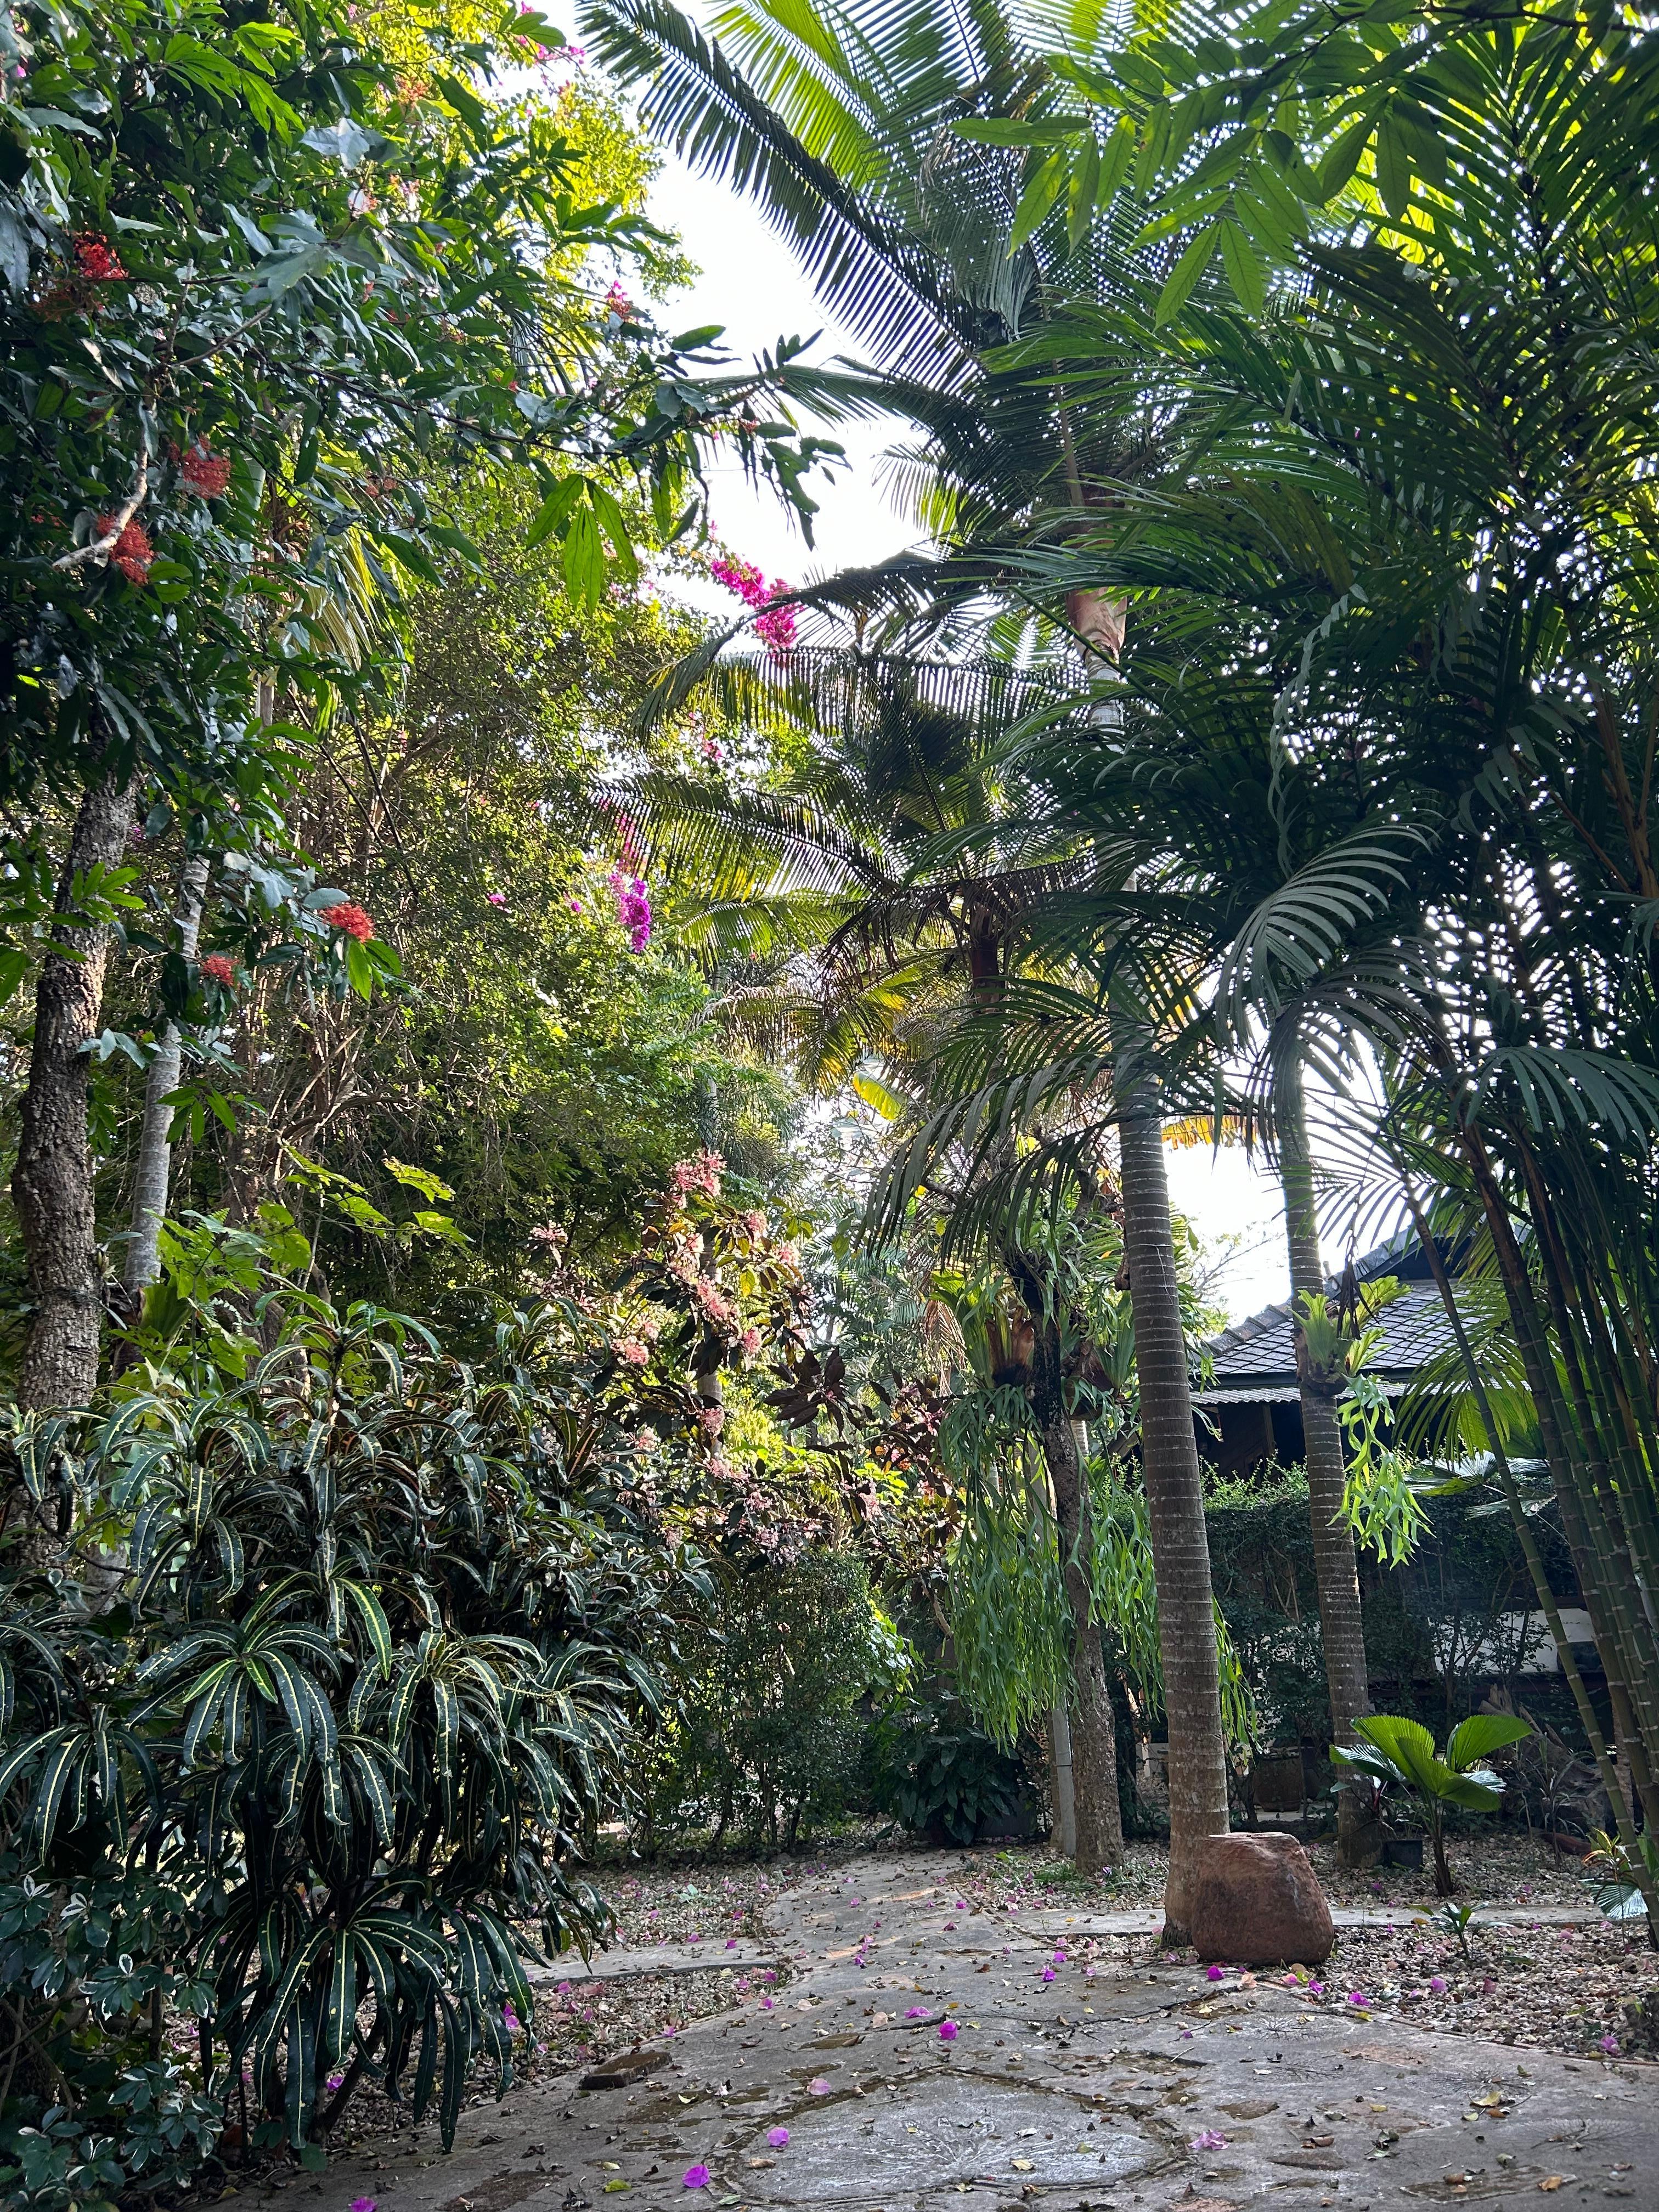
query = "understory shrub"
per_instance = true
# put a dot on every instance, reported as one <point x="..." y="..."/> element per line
<point x="768" y="1738"/>
<point x="300" y="1712"/>
<point x="936" y="1772"/>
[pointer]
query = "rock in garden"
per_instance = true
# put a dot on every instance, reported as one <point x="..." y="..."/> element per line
<point x="1256" y="1901"/>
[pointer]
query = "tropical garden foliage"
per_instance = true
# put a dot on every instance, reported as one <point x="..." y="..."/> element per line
<point x="588" y="1231"/>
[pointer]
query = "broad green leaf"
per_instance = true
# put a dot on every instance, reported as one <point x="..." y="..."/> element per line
<point x="1393" y="165"/>
<point x="1244" y="272"/>
<point x="1178" y="287"/>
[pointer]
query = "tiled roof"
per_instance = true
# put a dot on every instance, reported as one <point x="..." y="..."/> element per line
<point x="1255" y="1361"/>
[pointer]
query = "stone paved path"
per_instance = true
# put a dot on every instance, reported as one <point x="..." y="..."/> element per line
<point x="1145" y="2087"/>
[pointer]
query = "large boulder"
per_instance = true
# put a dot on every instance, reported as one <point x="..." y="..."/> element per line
<point x="1256" y="1901"/>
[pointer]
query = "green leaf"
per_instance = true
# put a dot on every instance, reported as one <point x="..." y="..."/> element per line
<point x="993" y="131"/>
<point x="1340" y="159"/>
<point x="554" y="510"/>
<point x="1178" y="287"/>
<point x="1481" y="1735"/>
<point x="1038" y="198"/>
<point x="1244" y="272"/>
<point x="1393" y="166"/>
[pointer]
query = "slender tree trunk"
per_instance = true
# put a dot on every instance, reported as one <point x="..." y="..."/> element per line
<point x="52" y="1182"/>
<point x="1340" y="1625"/>
<point x="151" y="1177"/>
<point x="1098" y="1816"/>
<point x="1174" y="1495"/>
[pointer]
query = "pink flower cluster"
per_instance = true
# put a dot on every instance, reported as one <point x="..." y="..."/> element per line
<point x="633" y="908"/>
<point x="702" y="1174"/>
<point x="776" y="626"/>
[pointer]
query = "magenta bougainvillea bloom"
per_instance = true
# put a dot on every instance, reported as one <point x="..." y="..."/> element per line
<point x="818" y="2086"/>
<point x="777" y="2137"/>
<point x="948" y="2031"/>
<point x="1210" y="2140"/>
<point x="776" y="626"/>
<point x="633" y="908"/>
<point x="696" y="2176"/>
<point x="1213" y="1974"/>
<point x="1047" y="1973"/>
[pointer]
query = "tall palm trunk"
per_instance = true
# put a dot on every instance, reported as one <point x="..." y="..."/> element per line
<point x="1340" y="1623"/>
<point x="154" y="1169"/>
<point x="1174" y="1495"/>
<point x="52" y="1182"/>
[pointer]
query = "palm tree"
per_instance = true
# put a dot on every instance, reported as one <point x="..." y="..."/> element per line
<point x="1427" y="482"/>
<point x="842" y="122"/>
<point x="868" y="911"/>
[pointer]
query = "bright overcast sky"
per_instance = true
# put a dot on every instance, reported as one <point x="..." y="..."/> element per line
<point x="750" y="282"/>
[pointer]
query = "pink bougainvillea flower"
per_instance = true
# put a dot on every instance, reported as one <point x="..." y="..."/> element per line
<point x="731" y="1942"/>
<point x="1047" y="1973"/>
<point x="1211" y="2139"/>
<point x="695" y="2177"/>
<point x="1059" y="1958"/>
<point x="777" y="2137"/>
<point x="1610" y="2044"/>
<point x="818" y="2086"/>
<point x="1214" y="1974"/>
<point x="334" y="2081"/>
<point x="509" y="2019"/>
<point x="1358" y="1998"/>
<point x="948" y="2031"/>
<point x="362" y="2204"/>
<point x="575" y="906"/>
<point x="495" y="898"/>
<point x="917" y="2012"/>
<point x="766" y="2004"/>
<point x="1438" y="1985"/>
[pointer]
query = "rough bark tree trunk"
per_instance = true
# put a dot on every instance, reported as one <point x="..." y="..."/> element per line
<point x="52" y="1182"/>
<point x="1096" y="1810"/>
<point x="1097" y="1816"/>
<point x="1174" y="1494"/>
<point x="1341" y="1625"/>
<point x="153" y="1170"/>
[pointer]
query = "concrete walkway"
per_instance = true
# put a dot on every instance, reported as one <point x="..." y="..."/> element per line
<point x="1145" y="2086"/>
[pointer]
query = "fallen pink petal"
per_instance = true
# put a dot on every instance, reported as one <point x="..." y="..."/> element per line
<point x="948" y="2031"/>
<point x="818" y="2086"/>
<point x="1210" y="2140"/>
<point x="695" y="2177"/>
<point x="777" y="2137"/>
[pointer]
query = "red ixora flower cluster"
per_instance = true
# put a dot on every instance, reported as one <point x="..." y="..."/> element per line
<point x="132" y="552"/>
<point x="208" y="475"/>
<point x="218" y="969"/>
<point x="351" y="919"/>
<point x="96" y="259"/>
<point x="776" y="627"/>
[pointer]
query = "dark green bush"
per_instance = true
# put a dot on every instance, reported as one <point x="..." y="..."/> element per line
<point x="939" y="1774"/>
<point x="769" y="1736"/>
<point x="337" y="1656"/>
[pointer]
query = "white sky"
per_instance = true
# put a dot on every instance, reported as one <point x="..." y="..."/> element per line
<point x="750" y="282"/>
